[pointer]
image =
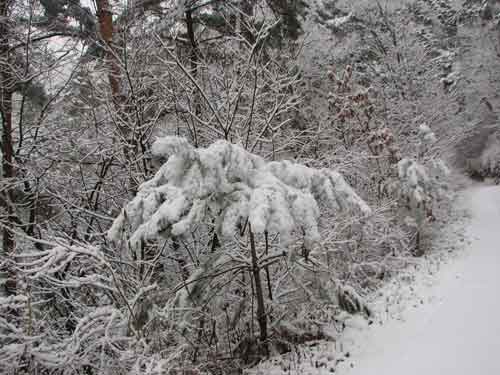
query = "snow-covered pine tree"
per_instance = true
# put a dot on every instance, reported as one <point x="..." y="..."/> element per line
<point x="241" y="193"/>
<point x="421" y="182"/>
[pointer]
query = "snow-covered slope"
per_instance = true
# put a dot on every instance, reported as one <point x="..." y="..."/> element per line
<point x="458" y="332"/>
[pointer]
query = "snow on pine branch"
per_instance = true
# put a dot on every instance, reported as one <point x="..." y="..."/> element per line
<point x="419" y="184"/>
<point x="227" y="183"/>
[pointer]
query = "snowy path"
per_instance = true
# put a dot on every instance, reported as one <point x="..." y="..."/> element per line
<point x="459" y="332"/>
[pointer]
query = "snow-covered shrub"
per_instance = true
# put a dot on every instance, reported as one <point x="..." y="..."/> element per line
<point x="72" y="305"/>
<point x="490" y="158"/>
<point x="420" y="183"/>
<point x="415" y="189"/>
<point x="265" y="216"/>
<point x="231" y="185"/>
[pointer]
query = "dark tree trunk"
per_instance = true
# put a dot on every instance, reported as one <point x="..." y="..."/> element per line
<point x="130" y="145"/>
<point x="194" y="58"/>
<point x="8" y="172"/>
<point x="261" y="308"/>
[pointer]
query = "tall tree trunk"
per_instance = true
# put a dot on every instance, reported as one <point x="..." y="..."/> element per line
<point x="194" y="58"/>
<point x="6" y="84"/>
<point x="129" y="147"/>
<point x="106" y="30"/>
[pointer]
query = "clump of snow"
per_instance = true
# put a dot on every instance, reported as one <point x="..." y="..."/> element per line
<point x="426" y="134"/>
<point x="231" y="185"/>
<point x="340" y="21"/>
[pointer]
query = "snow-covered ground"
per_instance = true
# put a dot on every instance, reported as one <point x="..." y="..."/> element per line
<point x="439" y="318"/>
<point x="458" y="332"/>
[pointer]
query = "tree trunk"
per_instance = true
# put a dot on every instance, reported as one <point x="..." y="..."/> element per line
<point x="105" y="18"/>
<point x="261" y="308"/>
<point x="194" y="57"/>
<point x="106" y="30"/>
<point x="6" y="84"/>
